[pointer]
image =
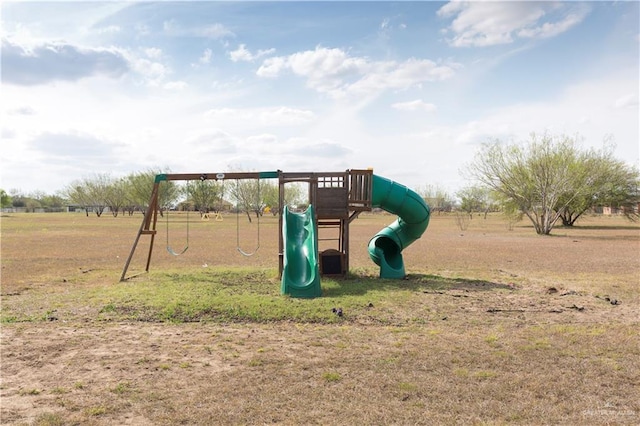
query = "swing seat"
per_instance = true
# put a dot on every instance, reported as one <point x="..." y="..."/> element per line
<point x="171" y="251"/>
<point x="244" y="253"/>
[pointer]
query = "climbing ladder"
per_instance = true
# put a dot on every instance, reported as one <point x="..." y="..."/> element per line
<point x="340" y="198"/>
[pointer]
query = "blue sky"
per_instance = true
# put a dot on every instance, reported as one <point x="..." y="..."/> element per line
<point x="411" y="89"/>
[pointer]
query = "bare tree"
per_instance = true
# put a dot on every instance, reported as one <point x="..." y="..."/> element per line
<point x="90" y="193"/>
<point x="247" y="194"/>
<point x="116" y="196"/>
<point x="438" y="199"/>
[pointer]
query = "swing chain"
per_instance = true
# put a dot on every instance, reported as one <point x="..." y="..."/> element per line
<point x="169" y="249"/>
<point x="238" y="221"/>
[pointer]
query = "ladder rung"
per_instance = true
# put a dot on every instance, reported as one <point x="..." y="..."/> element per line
<point x="331" y="223"/>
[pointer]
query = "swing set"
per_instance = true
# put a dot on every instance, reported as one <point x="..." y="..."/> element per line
<point x="337" y="199"/>
<point x="150" y="221"/>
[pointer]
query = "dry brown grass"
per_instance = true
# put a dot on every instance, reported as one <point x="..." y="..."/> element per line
<point x="527" y="334"/>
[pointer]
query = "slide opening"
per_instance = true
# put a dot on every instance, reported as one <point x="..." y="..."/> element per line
<point x="390" y="251"/>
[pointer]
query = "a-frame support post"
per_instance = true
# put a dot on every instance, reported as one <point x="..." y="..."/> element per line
<point x="147" y="227"/>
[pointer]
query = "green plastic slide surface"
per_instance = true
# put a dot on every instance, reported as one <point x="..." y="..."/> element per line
<point x="301" y="272"/>
<point x="385" y="248"/>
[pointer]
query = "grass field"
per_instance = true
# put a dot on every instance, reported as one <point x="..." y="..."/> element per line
<point x="493" y="325"/>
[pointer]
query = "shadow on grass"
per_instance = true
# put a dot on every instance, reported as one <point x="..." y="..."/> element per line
<point x="357" y="285"/>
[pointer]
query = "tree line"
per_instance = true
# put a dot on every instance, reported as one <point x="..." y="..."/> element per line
<point x="127" y="195"/>
<point x="548" y="179"/>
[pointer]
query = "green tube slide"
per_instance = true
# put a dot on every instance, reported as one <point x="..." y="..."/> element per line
<point x="301" y="271"/>
<point x="385" y="248"/>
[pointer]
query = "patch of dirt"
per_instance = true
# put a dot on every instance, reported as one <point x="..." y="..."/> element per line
<point x="547" y="326"/>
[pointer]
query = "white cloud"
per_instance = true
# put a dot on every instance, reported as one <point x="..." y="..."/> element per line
<point x="274" y="116"/>
<point x="243" y="54"/>
<point x="152" y="72"/>
<point x="71" y="144"/>
<point x="205" y="58"/>
<point x="264" y="139"/>
<point x="213" y="141"/>
<point x="285" y="116"/>
<point x="215" y="31"/>
<point x="492" y="23"/>
<point x="272" y="67"/>
<point x="240" y="54"/>
<point x="589" y="108"/>
<point x="111" y="29"/>
<point x="627" y="101"/>
<point x="7" y="133"/>
<point x="322" y="149"/>
<point x="23" y="110"/>
<point x="293" y="149"/>
<point x="399" y="76"/>
<point x="153" y="52"/>
<point x="49" y="62"/>
<point x="552" y="29"/>
<point x="175" y="85"/>
<point x="417" y="105"/>
<point x="334" y="72"/>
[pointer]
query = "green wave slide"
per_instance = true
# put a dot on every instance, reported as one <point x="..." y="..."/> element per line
<point x="385" y="248"/>
<point x="301" y="271"/>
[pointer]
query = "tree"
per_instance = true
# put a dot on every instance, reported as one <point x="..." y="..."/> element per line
<point x="18" y="199"/>
<point x="90" y="193"/>
<point x="271" y="197"/>
<point x="609" y="182"/>
<point x="472" y="199"/>
<point x="32" y="204"/>
<point x="541" y="178"/>
<point x="116" y="196"/>
<point x="141" y="185"/>
<point x="5" y="199"/>
<point x="475" y="199"/>
<point x="205" y="195"/>
<point x="294" y="194"/>
<point x="53" y="203"/>
<point x="625" y="194"/>
<point x="438" y="199"/>
<point x="247" y="194"/>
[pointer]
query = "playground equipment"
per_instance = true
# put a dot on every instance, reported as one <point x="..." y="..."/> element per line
<point x="335" y="200"/>
<point x="385" y="248"/>
<point x="301" y="271"/>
